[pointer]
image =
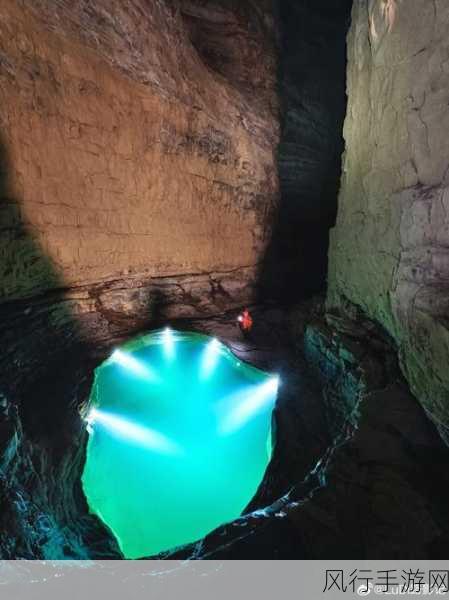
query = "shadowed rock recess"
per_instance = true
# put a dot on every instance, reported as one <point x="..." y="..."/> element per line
<point x="171" y="161"/>
<point x="312" y="63"/>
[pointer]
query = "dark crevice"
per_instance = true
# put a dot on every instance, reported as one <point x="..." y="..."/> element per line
<point x="311" y="80"/>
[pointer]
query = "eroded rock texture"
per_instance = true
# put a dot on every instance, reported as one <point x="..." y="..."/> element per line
<point x="312" y="73"/>
<point x="137" y="184"/>
<point x="389" y="249"/>
<point x="378" y="489"/>
<point x="126" y="149"/>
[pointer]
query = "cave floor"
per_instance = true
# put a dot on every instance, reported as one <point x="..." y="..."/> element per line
<point x="370" y="482"/>
<point x="358" y="471"/>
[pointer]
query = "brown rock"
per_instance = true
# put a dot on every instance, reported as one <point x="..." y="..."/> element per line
<point x="124" y="151"/>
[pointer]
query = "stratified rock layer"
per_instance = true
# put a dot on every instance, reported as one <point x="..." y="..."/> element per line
<point x="122" y="151"/>
<point x="312" y="70"/>
<point x="389" y="250"/>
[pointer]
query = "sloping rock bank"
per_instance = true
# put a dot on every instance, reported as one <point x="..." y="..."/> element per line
<point x="52" y="345"/>
<point x="380" y="490"/>
<point x="357" y="471"/>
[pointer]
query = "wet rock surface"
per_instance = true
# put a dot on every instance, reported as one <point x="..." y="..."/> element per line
<point x="379" y="490"/>
<point x="43" y="449"/>
<point x="52" y="345"/>
<point x="44" y="514"/>
<point x="357" y="471"/>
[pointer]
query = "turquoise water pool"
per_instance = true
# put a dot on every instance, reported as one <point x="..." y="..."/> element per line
<point x="179" y="439"/>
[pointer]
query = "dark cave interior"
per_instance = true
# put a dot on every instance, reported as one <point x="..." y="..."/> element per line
<point x="170" y="165"/>
<point x="312" y="96"/>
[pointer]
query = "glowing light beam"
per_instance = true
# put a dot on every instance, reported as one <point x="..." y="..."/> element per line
<point x="134" y="365"/>
<point x="247" y="404"/>
<point x="210" y="358"/>
<point x="144" y="436"/>
<point x="168" y="340"/>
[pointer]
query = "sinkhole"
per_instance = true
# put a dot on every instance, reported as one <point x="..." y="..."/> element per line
<point x="179" y="439"/>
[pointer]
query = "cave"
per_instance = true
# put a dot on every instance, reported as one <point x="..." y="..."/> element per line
<point x="264" y="183"/>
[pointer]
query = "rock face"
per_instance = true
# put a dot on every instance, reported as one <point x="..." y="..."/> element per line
<point x="312" y="73"/>
<point x="129" y="141"/>
<point x="137" y="184"/>
<point x="389" y="250"/>
<point x="379" y="491"/>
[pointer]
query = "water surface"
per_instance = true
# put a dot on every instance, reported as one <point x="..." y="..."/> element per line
<point x="179" y="439"/>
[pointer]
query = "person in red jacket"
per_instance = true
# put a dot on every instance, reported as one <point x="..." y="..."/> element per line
<point x="245" y="322"/>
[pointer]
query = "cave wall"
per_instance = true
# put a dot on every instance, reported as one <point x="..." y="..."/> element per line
<point x="312" y="72"/>
<point x="137" y="183"/>
<point x="389" y="249"/>
<point x="128" y="149"/>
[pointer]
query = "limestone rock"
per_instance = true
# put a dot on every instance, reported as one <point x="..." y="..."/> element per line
<point x="123" y="151"/>
<point x="389" y="248"/>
